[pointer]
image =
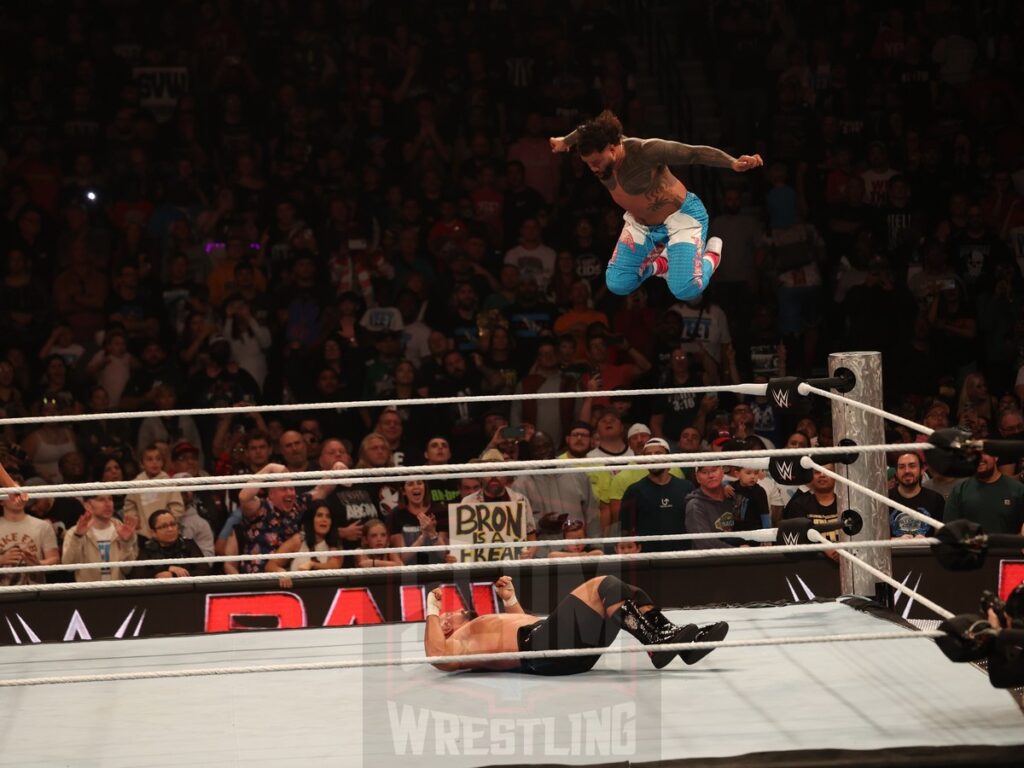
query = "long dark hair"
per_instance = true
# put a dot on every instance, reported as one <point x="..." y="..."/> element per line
<point x="309" y="533"/>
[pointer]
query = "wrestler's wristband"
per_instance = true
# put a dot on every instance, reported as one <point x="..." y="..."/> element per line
<point x="433" y="605"/>
<point x="511" y="601"/>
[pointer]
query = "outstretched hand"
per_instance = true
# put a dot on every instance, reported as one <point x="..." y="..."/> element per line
<point x="126" y="530"/>
<point x="747" y="163"/>
<point x="558" y="144"/>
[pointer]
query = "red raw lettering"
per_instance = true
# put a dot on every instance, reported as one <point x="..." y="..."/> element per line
<point x="266" y="610"/>
<point x="483" y="598"/>
<point x="353" y="605"/>
<point x="1011" y="573"/>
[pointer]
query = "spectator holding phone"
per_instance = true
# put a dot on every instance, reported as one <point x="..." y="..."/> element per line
<point x="614" y="375"/>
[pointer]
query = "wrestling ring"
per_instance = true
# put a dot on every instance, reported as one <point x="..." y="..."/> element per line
<point x="828" y="677"/>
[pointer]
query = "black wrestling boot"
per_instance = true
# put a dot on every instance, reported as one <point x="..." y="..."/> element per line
<point x="656" y="630"/>
<point x="707" y="633"/>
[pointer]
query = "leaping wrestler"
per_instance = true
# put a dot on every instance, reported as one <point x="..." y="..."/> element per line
<point x="589" y="617"/>
<point x="666" y="229"/>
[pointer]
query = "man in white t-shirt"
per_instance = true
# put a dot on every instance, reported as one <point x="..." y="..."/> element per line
<point x="706" y="326"/>
<point x="24" y="540"/>
<point x="498" y="488"/>
<point x="98" y="537"/>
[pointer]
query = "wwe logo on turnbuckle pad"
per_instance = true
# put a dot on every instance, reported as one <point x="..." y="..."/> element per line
<point x="790" y="539"/>
<point x="785" y="470"/>
<point x="784" y="391"/>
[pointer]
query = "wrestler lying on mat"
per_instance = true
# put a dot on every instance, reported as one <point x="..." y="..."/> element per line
<point x="589" y="617"/>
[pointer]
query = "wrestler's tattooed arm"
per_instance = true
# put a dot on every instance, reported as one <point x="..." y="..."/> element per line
<point x="662" y="152"/>
<point x="571" y="138"/>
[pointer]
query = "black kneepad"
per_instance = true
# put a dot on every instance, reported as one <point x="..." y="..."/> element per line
<point x="613" y="590"/>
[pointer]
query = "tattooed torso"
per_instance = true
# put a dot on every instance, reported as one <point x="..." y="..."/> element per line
<point x="648" y="191"/>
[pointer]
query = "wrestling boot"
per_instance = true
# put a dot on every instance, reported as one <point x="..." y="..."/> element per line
<point x="706" y="634"/>
<point x="652" y="628"/>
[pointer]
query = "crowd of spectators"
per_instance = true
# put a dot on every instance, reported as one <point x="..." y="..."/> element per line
<point x="260" y="201"/>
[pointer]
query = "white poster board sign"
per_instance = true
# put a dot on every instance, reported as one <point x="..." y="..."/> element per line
<point x="486" y="522"/>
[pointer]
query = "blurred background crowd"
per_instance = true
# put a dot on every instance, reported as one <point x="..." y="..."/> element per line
<point x="279" y="201"/>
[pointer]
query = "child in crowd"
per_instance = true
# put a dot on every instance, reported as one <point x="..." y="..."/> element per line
<point x="141" y="505"/>
<point x="375" y="536"/>
<point x="753" y="510"/>
<point x="627" y="547"/>
<point x="573" y="529"/>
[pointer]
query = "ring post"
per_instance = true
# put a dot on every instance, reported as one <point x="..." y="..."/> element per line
<point x="868" y="470"/>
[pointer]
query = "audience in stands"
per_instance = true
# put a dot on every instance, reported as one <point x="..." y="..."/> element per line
<point x="296" y="222"/>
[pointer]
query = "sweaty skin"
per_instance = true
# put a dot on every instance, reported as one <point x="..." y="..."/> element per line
<point x="641" y="181"/>
<point x="493" y="633"/>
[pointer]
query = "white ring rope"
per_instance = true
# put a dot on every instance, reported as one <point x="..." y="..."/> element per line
<point x="762" y="535"/>
<point x="228" y="484"/>
<point x="815" y="536"/>
<point x="228" y="578"/>
<point x="805" y="389"/>
<point x="757" y="390"/>
<point x="478" y="658"/>
<point x="808" y="463"/>
<point x="479" y="468"/>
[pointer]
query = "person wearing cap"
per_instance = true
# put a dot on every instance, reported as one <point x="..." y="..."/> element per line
<point x="710" y="508"/>
<point x="653" y="506"/>
<point x="578" y="441"/>
<point x="638" y="436"/>
<point x="496" y="488"/>
<point x="99" y="537"/>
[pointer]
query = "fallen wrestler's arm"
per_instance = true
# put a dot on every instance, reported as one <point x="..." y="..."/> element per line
<point x="435" y="643"/>
<point x="507" y="592"/>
